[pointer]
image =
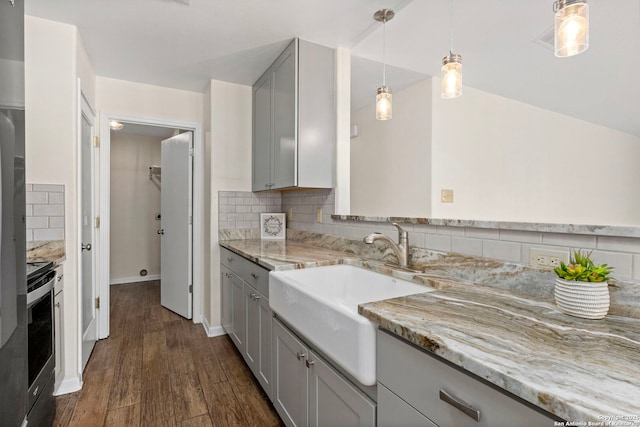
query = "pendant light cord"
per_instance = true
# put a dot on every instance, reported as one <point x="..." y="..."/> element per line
<point x="451" y="28"/>
<point x="384" y="52"/>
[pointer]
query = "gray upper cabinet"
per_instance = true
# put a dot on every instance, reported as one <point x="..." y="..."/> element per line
<point x="294" y="132"/>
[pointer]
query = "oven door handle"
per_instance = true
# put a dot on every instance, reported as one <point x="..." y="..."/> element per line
<point x="42" y="291"/>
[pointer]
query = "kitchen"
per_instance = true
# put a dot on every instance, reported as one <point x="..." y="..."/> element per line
<point x="224" y="110"/>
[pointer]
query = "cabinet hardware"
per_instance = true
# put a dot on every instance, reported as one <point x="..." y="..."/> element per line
<point x="58" y="305"/>
<point x="161" y="231"/>
<point x="86" y="247"/>
<point x="310" y="363"/>
<point x="254" y="275"/>
<point x="229" y="259"/>
<point x="256" y="297"/>
<point x="300" y="355"/>
<point x="462" y="406"/>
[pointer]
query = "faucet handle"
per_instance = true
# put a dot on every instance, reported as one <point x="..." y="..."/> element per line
<point x="402" y="233"/>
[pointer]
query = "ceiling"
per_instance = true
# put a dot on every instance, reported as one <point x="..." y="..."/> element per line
<point x="185" y="43"/>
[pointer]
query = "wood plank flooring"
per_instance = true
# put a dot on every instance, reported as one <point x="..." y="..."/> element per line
<point x="158" y="369"/>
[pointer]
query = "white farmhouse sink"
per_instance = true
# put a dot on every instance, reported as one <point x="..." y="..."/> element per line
<point x="322" y="304"/>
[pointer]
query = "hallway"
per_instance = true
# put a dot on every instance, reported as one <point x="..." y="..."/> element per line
<point x="158" y="369"/>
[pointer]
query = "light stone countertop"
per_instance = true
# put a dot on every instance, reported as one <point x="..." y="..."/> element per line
<point x="46" y="250"/>
<point x="576" y="369"/>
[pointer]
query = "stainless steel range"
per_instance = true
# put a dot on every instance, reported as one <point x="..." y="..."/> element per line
<point x="41" y="278"/>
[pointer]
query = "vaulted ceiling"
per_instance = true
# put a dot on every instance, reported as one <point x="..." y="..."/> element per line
<point x="185" y="43"/>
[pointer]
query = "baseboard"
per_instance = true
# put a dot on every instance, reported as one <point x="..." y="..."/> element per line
<point x="212" y="331"/>
<point x="134" y="279"/>
<point x="68" y="385"/>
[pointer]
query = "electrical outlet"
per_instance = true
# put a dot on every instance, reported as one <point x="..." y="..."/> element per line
<point x="446" y="196"/>
<point x="290" y="214"/>
<point x="547" y="257"/>
<point x="319" y="215"/>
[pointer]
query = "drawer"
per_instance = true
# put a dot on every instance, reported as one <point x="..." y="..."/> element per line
<point x="418" y="378"/>
<point x="252" y="273"/>
<point x="395" y="412"/>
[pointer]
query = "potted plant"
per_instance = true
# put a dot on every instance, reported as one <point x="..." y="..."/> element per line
<point x="581" y="287"/>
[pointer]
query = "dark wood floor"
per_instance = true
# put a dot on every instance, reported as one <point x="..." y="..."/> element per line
<point x="158" y="369"/>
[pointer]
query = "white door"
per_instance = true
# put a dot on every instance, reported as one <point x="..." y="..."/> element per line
<point x="87" y="238"/>
<point x="176" y="220"/>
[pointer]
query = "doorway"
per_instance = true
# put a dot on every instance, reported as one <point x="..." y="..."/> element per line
<point x="158" y="166"/>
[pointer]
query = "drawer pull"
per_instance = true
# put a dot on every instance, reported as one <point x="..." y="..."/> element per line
<point x="310" y="363"/>
<point x="229" y="259"/>
<point x="464" y="407"/>
<point x="300" y="355"/>
<point x="254" y="275"/>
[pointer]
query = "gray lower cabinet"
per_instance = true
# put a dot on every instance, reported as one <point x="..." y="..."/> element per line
<point x="246" y="315"/>
<point x="444" y="395"/>
<point x="307" y="391"/>
<point x="395" y="412"/>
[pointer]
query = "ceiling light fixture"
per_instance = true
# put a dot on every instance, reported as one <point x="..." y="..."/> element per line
<point x="571" y="27"/>
<point x="451" y="67"/>
<point x="383" y="98"/>
<point x="115" y="125"/>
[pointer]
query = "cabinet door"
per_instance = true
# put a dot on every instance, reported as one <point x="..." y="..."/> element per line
<point x="264" y="361"/>
<point x="226" y="300"/>
<point x="252" y="309"/>
<point x="290" y="379"/>
<point x="284" y="120"/>
<point x="335" y="402"/>
<point x="239" y="327"/>
<point x="261" y="177"/>
<point x="58" y="310"/>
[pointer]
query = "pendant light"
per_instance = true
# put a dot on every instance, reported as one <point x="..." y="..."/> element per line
<point x="383" y="97"/>
<point x="571" y="27"/>
<point x="451" y="68"/>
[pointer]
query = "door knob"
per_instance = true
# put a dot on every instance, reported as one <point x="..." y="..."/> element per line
<point x="161" y="231"/>
<point x="86" y="247"/>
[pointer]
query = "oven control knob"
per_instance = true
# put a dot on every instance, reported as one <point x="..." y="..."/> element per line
<point x="86" y="247"/>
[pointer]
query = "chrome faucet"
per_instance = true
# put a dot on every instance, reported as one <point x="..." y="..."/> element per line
<point x="401" y="249"/>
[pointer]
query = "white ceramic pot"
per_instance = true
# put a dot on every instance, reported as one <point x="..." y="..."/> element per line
<point x="589" y="300"/>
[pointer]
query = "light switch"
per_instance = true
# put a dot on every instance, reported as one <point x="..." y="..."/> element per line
<point x="319" y="215"/>
<point x="446" y="196"/>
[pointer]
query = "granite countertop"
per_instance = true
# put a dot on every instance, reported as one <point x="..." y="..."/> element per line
<point x="284" y="254"/>
<point x="46" y="250"/>
<point x="579" y="370"/>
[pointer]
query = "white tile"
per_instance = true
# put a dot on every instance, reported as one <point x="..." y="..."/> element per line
<point x="48" y="210"/>
<point x="437" y="242"/>
<point x="622" y="244"/>
<point x="29" y="235"/>
<point x="236" y="217"/>
<point x="636" y="267"/>
<point x="223" y="201"/>
<point x="622" y="263"/>
<point x="28" y="187"/>
<point x="56" y="222"/>
<point x="29" y="210"/>
<point x="37" y="222"/>
<point x="48" y="187"/>
<point x="40" y="197"/>
<point x="467" y="246"/>
<point x="450" y="231"/>
<point x="56" y="198"/>
<point x="251" y="217"/>
<point x="223" y="217"/>
<point x="236" y="201"/>
<point x="521" y="236"/>
<point x="242" y="208"/>
<point x="243" y="224"/>
<point x="259" y="209"/>
<point x="569" y="240"/>
<point x="227" y="225"/>
<point x="48" y="234"/>
<point x="417" y="239"/>
<point x="227" y="209"/>
<point x="506" y="251"/>
<point x="482" y="233"/>
<point x="226" y="193"/>
<point x="425" y="228"/>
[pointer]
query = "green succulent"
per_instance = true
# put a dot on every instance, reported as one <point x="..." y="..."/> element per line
<point x="582" y="269"/>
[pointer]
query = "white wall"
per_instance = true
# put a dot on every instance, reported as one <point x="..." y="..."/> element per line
<point x="52" y="54"/>
<point x="230" y="139"/>
<point x="135" y="200"/>
<point x="510" y="161"/>
<point x="391" y="160"/>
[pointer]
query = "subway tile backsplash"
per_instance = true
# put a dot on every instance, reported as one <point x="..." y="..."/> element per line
<point x="623" y="253"/>
<point x="45" y="212"/>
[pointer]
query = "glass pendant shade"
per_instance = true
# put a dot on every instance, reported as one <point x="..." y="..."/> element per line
<point x="451" y="76"/>
<point x="383" y="103"/>
<point x="571" y="29"/>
